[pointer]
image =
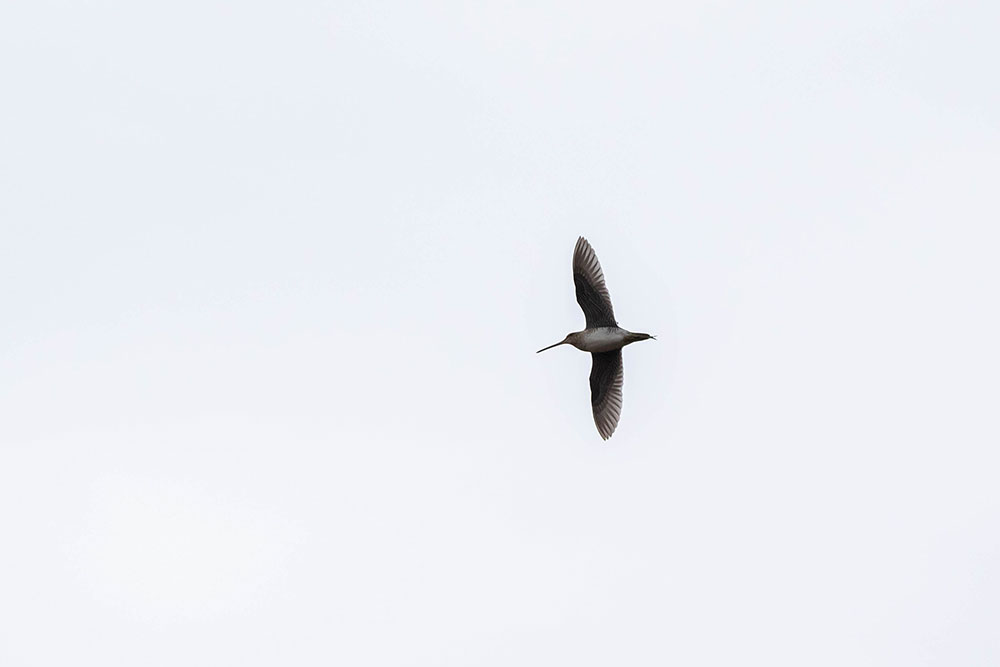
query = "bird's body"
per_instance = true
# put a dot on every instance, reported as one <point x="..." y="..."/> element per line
<point x="603" y="338"/>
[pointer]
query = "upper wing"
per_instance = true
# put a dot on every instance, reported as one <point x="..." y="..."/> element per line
<point x="591" y="292"/>
<point x="606" y="379"/>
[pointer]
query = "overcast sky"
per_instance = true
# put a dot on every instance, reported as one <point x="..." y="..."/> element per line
<point x="273" y="275"/>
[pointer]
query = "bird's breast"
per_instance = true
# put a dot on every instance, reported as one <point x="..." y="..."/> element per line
<point x="602" y="339"/>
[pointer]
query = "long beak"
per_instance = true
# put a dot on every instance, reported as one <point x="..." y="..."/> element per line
<point x="562" y="342"/>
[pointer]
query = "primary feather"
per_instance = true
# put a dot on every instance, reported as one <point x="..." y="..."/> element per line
<point x="591" y="292"/>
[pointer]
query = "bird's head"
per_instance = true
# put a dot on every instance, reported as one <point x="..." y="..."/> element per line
<point x="569" y="339"/>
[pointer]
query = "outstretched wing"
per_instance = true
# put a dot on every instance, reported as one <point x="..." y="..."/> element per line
<point x="606" y="379"/>
<point x="591" y="292"/>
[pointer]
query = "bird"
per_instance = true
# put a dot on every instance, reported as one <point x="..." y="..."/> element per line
<point x="603" y="338"/>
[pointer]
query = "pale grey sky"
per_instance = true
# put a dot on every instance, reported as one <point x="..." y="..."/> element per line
<point x="273" y="279"/>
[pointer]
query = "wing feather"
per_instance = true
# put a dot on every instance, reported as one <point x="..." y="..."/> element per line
<point x="606" y="379"/>
<point x="591" y="292"/>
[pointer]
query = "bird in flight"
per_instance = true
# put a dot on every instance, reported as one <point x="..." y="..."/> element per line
<point x="603" y="338"/>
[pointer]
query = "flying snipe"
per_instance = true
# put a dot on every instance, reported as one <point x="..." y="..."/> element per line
<point x="603" y="338"/>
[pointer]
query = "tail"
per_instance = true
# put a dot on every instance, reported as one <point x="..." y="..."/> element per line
<point x="636" y="337"/>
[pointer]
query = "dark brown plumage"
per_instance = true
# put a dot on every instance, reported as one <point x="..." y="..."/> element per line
<point x="603" y="338"/>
